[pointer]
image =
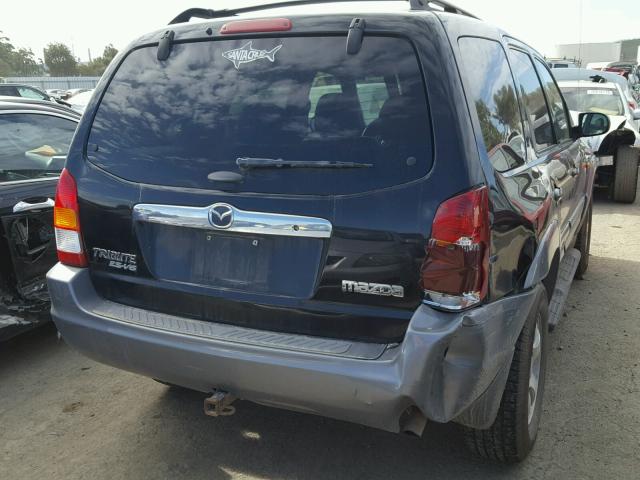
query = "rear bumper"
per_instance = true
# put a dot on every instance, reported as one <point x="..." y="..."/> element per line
<point x="449" y="366"/>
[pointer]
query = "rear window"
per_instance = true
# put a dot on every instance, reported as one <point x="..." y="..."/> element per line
<point x="593" y="99"/>
<point x="297" y="99"/>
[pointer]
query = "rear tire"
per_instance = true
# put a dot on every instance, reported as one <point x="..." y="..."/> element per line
<point x="514" y="431"/>
<point x="583" y="244"/>
<point x="625" y="178"/>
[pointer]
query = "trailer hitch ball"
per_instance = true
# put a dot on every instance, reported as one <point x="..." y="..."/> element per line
<point x="219" y="404"/>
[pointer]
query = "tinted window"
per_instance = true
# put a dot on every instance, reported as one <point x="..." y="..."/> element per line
<point x="322" y="84"/>
<point x="210" y="103"/>
<point x="532" y="97"/>
<point x="9" y="91"/>
<point x="372" y="94"/>
<point x="28" y="143"/>
<point x="558" y="113"/>
<point x="489" y="83"/>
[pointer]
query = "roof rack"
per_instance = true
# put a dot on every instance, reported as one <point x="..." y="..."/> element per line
<point x="445" y="6"/>
<point x="435" y="5"/>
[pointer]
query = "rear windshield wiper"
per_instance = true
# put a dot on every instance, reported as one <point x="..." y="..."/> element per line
<point x="251" y="162"/>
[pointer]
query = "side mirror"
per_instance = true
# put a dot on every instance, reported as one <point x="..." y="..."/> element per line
<point x="636" y="114"/>
<point x="593" y="124"/>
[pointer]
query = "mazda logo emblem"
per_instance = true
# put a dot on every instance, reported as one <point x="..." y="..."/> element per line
<point x="221" y="215"/>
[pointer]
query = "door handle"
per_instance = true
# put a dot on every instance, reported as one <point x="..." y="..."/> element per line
<point x="26" y="206"/>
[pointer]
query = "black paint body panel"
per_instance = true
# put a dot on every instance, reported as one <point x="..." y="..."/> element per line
<point x="378" y="236"/>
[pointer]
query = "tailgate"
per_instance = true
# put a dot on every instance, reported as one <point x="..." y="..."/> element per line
<point x="276" y="182"/>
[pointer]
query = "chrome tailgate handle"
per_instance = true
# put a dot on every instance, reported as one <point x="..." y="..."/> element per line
<point x="224" y="217"/>
<point x="26" y="206"/>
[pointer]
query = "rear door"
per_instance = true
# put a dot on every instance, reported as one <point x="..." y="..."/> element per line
<point x="32" y="150"/>
<point x="568" y="167"/>
<point x="195" y="217"/>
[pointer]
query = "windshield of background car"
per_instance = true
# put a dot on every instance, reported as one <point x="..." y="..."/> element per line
<point x="175" y="122"/>
<point x="29" y="142"/>
<point x="593" y="99"/>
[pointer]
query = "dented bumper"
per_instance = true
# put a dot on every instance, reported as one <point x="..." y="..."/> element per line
<point x="450" y="366"/>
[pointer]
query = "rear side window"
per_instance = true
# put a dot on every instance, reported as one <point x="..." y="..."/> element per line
<point x="29" y="142"/>
<point x="489" y="83"/>
<point x="9" y="91"/>
<point x="558" y="112"/>
<point x="297" y="99"/>
<point x="30" y="93"/>
<point x="533" y="99"/>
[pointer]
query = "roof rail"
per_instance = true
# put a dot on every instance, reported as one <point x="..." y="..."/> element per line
<point x="445" y="6"/>
<point x="227" y="12"/>
<point x="190" y="13"/>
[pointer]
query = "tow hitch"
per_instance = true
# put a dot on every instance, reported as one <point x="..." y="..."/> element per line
<point x="219" y="404"/>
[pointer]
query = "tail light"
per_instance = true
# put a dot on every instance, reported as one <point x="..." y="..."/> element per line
<point x="456" y="268"/>
<point x="66" y="221"/>
<point x="632" y="105"/>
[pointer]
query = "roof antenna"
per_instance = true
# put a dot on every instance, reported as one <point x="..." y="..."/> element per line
<point x="417" y="4"/>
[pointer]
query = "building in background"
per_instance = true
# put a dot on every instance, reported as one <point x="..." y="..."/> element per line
<point x="624" y="50"/>
<point x="630" y="50"/>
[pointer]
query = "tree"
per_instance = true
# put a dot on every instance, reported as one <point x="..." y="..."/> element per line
<point x="108" y="54"/>
<point x="98" y="65"/>
<point x="20" y="62"/>
<point x="507" y="112"/>
<point x="59" y="60"/>
<point x="490" y="133"/>
<point x="25" y="63"/>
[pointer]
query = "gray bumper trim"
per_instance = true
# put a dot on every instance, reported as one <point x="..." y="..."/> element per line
<point x="446" y="362"/>
<point x="233" y="334"/>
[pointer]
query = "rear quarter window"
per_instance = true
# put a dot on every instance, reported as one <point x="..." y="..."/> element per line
<point x="489" y="84"/>
<point x="175" y="122"/>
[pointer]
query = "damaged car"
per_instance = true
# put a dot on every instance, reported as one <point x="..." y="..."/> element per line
<point x="34" y="139"/>
<point x="371" y="211"/>
<point x="618" y="150"/>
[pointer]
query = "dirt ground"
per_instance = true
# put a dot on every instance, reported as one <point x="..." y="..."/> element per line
<point x="63" y="416"/>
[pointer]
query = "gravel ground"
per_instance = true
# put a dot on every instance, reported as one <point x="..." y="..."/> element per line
<point x="63" y="416"/>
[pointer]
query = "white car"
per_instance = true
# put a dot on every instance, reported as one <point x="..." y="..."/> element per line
<point x="80" y="100"/>
<point x="618" y="150"/>
<point x="597" y="65"/>
<point x="590" y="75"/>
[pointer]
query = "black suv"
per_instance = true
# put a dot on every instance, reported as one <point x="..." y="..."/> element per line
<point x="366" y="214"/>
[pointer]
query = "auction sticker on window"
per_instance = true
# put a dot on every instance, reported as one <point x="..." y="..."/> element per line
<point x="599" y="92"/>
